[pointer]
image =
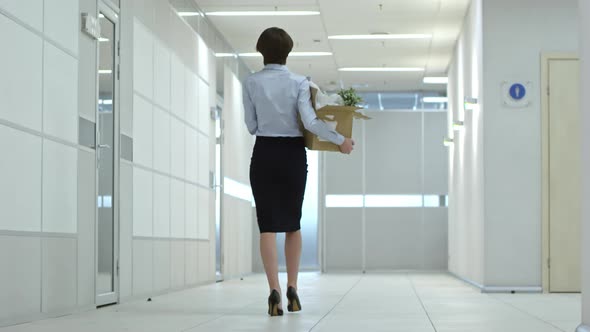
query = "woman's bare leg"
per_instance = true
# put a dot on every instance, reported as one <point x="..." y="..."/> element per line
<point x="268" y="251"/>
<point x="293" y="255"/>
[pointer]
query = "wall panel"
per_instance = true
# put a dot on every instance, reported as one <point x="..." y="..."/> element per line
<point x="379" y="212"/>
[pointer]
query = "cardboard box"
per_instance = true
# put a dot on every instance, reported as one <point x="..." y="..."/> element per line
<point x="340" y="118"/>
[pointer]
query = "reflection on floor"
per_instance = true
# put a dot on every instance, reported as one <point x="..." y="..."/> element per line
<point x="332" y="302"/>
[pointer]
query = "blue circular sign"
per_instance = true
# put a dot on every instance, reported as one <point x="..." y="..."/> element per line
<point x="517" y="91"/>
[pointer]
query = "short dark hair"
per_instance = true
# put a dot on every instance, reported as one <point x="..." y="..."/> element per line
<point x="275" y="44"/>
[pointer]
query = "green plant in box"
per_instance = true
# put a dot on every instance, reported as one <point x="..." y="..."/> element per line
<point x="350" y="97"/>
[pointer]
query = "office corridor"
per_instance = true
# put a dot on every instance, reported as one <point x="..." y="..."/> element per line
<point x="332" y="302"/>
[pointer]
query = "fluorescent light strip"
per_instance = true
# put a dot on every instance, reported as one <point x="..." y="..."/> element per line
<point x="436" y="80"/>
<point x="344" y="201"/>
<point x="190" y="14"/>
<point x="102" y="40"/>
<point x="381" y="69"/>
<point x="105" y="71"/>
<point x="393" y="201"/>
<point x="263" y="13"/>
<point x="249" y="55"/>
<point x="380" y="36"/>
<point x="435" y="100"/>
<point x="434" y="201"/>
<point x="382" y="201"/>
<point x="292" y="54"/>
<point x="225" y="55"/>
<point x="310" y="54"/>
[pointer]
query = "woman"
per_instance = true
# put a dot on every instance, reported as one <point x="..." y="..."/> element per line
<point x="274" y="100"/>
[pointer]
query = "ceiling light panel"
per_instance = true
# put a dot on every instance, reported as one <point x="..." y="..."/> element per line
<point x="381" y="69"/>
<point x="292" y="54"/>
<point x="380" y="37"/>
<point x="395" y="36"/>
<point x="264" y="13"/>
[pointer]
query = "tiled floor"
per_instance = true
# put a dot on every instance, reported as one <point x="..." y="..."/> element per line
<point x="374" y="302"/>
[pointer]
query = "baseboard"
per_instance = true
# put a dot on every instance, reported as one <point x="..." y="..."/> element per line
<point x="515" y="289"/>
<point x="140" y="297"/>
<point x="24" y="319"/>
<point x="468" y="281"/>
<point x="583" y="328"/>
<point x="381" y="271"/>
<point x="500" y="289"/>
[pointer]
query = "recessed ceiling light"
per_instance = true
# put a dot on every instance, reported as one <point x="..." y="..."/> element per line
<point x="310" y="54"/>
<point x="380" y="36"/>
<point x="436" y="80"/>
<point x="382" y="69"/>
<point x="263" y="13"/>
<point x="295" y="54"/>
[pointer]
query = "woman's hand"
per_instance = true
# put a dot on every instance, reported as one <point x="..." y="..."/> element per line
<point x="347" y="146"/>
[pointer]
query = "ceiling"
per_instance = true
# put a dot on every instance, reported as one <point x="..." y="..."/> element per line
<point x="442" y="19"/>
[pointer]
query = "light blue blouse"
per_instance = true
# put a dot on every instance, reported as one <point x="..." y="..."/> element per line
<point x="272" y="99"/>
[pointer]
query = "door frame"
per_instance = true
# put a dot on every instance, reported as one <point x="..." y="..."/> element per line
<point x="105" y="8"/>
<point x="546" y="58"/>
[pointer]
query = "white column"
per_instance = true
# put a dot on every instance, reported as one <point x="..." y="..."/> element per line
<point x="584" y="11"/>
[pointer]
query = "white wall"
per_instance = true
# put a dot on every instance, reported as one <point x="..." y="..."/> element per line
<point x="466" y="169"/>
<point x="46" y="176"/>
<point x="514" y="36"/>
<point x="237" y="204"/>
<point x="496" y="168"/>
<point x="48" y="172"/>
<point x="584" y="20"/>
<point x="167" y="243"/>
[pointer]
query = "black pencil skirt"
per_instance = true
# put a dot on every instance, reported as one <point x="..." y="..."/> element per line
<point x="278" y="175"/>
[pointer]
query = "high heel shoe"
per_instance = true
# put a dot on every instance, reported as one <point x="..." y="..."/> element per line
<point x="273" y="303"/>
<point x="294" y="304"/>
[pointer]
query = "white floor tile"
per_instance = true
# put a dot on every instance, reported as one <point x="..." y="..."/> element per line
<point x="567" y="326"/>
<point x="332" y="302"/>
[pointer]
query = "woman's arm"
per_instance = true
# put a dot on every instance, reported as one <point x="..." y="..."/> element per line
<point x="249" y="111"/>
<point x="311" y="121"/>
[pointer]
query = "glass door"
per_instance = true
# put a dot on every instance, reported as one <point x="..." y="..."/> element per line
<point x="106" y="161"/>
<point x="218" y="192"/>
